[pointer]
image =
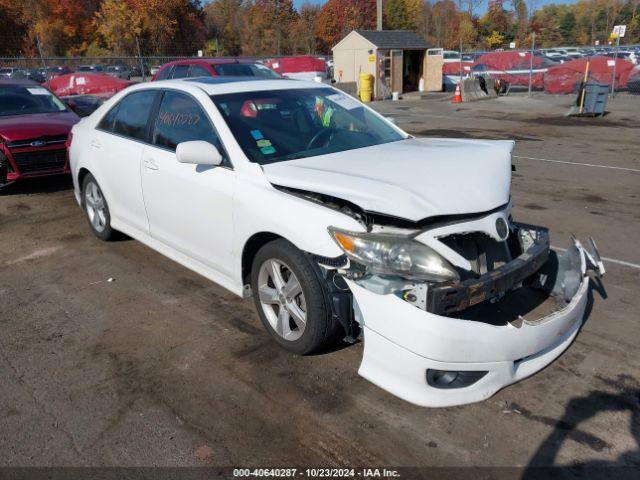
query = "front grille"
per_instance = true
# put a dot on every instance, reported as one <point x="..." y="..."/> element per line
<point x="47" y="139"/>
<point x="40" y="161"/>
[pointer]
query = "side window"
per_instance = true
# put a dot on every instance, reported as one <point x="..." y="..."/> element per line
<point x="198" y="71"/>
<point x="181" y="71"/>
<point x="165" y="73"/>
<point x="181" y="119"/>
<point x="107" y="121"/>
<point x="133" y="114"/>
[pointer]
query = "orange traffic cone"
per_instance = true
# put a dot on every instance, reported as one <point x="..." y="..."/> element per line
<point x="457" y="97"/>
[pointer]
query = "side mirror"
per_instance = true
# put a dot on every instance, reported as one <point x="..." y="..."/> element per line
<point x="198" y="152"/>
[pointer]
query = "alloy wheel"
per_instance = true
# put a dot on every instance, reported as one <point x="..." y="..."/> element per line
<point x="95" y="206"/>
<point x="282" y="299"/>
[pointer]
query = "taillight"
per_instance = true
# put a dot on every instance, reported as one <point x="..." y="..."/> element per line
<point x="69" y="139"/>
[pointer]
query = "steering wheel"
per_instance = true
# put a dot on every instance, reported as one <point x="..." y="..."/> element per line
<point x="325" y="132"/>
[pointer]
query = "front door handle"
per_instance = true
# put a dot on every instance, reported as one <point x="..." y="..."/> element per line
<point x="96" y="144"/>
<point x="150" y="163"/>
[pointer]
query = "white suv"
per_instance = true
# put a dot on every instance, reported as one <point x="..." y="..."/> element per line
<point x="340" y="225"/>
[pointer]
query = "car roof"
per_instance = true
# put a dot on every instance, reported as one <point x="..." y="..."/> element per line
<point x="209" y="61"/>
<point x="222" y="85"/>
<point x="18" y="82"/>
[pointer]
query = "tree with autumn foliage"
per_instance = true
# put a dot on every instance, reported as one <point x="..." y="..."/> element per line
<point x="118" y="26"/>
<point x="224" y="20"/>
<point x="303" y="31"/>
<point x="339" y="17"/>
<point x="11" y="41"/>
<point x="267" y="28"/>
<point x="401" y="14"/>
<point x="272" y="27"/>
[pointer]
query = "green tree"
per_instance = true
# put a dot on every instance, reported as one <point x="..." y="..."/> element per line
<point x="267" y="28"/>
<point x="566" y="27"/>
<point x="304" y="29"/>
<point x="224" y="20"/>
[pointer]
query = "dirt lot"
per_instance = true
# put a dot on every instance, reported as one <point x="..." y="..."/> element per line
<point x="161" y="367"/>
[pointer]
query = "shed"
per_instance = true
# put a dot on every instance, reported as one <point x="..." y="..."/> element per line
<point x="394" y="57"/>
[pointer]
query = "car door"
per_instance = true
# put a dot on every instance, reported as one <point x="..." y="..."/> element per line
<point x="117" y="145"/>
<point x="189" y="206"/>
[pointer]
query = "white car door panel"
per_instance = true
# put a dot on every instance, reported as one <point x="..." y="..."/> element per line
<point x="190" y="207"/>
<point x="118" y="173"/>
<point x="117" y="146"/>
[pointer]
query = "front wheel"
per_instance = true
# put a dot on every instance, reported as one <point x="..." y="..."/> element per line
<point x="96" y="209"/>
<point x="290" y="299"/>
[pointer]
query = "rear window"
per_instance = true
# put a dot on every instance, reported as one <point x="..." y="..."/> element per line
<point x="181" y="71"/>
<point x="244" y="70"/>
<point x="164" y="73"/>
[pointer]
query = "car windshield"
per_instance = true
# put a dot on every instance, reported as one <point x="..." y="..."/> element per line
<point x="27" y="100"/>
<point x="279" y="125"/>
<point x="244" y="70"/>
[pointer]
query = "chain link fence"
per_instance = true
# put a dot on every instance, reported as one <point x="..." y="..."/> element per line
<point x="549" y="70"/>
<point x="532" y="70"/>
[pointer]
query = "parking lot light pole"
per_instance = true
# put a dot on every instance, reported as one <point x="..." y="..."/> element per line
<point x="460" y="59"/>
<point x="533" y="47"/>
<point x="615" y="60"/>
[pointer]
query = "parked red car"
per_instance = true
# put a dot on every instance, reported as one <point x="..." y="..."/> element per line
<point x="299" y="67"/>
<point x="34" y="126"/>
<point x="213" y="67"/>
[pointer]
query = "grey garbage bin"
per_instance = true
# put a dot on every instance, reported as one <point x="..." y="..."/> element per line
<point x="595" y="98"/>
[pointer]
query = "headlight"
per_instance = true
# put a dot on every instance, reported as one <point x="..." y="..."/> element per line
<point x="393" y="255"/>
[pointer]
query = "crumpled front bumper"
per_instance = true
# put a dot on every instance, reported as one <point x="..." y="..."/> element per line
<point x="402" y="342"/>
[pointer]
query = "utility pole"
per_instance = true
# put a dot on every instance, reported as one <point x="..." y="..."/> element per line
<point x="460" y="59"/>
<point x="44" y="63"/>
<point x="379" y="15"/>
<point x="533" y="47"/>
<point x="141" y="62"/>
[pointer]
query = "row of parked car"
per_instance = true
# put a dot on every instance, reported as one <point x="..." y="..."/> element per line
<point x="630" y="53"/>
<point x="42" y="75"/>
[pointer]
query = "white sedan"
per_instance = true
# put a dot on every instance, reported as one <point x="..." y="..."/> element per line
<point x="340" y="226"/>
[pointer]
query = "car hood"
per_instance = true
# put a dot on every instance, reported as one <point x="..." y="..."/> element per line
<point x="24" y="127"/>
<point x="411" y="179"/>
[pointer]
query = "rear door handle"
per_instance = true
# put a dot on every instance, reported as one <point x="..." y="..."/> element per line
<point x="150" y="163"/>
<point x="96" y="144"/>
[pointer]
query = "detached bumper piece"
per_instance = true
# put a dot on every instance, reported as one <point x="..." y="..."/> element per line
<point x="439" y="361"/>
<point x="449" y="298"/>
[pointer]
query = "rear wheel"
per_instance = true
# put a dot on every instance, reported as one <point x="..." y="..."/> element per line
<point x="96" y="209"/>
<point x="290" y="299"/>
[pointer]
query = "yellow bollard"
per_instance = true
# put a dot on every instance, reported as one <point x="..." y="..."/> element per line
<point x="366" y="87"/>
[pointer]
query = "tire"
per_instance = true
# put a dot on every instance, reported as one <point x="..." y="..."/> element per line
<point x="96" y="209"/>
<point x="319" y="331"/>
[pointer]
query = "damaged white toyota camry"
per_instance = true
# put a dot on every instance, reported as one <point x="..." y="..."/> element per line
<point x="341" y="226"/>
